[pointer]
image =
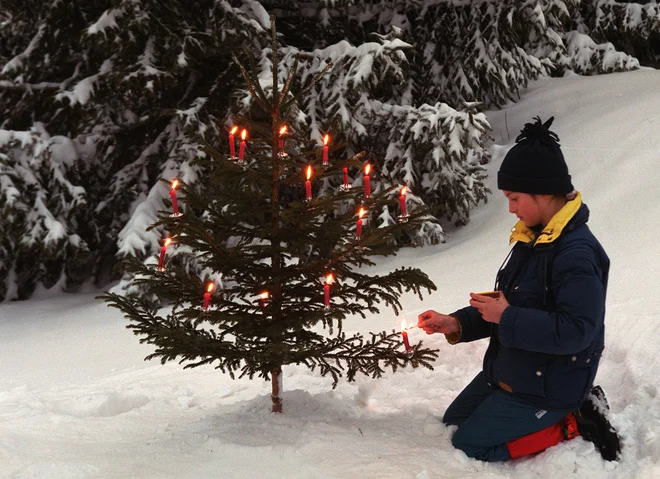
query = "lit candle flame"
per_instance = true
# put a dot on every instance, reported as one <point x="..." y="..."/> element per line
<point x="210" y="287"/>
<point x="403" y="324"/>
<point x="326" y="139"/>
<point x="361" y="212"/>
<point x="329" y="279"/>
<point x="175" y="183"/>
<point x="367" y="169"/>
<point x="264" y="295"/>
<point x="283" y="130"/>
<point x="404" y="190"/>
<point x="233" y="130"/>
<point x="309" y="172"/>
<point x="167" y="242"/>
<point x="244" y="134"/>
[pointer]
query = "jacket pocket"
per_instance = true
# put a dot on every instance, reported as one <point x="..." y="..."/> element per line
<point x="570" y="377"/>
<point x="521" y="371"/>
<point x="526" y="294"/>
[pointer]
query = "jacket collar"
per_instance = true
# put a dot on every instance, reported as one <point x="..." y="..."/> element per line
<point x="553" y="230"/>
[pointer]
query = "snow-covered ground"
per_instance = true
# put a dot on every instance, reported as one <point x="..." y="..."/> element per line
<point x="77" y="401"/>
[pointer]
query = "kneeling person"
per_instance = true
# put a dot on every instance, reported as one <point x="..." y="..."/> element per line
<point x="546" y="325"/>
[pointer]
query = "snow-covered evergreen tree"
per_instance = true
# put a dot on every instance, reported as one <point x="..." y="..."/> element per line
<point x="633" y="27"/>
<point x="131" y="88"/>
<point x="483" y="50"/>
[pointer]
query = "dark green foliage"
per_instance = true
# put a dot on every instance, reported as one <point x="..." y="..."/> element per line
<point x="129" y="86"/>
<point x="252" y="227"/>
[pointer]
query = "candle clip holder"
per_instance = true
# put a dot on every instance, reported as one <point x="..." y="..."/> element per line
<point x="345" y="187"/>
<point x="361" y="248"/>
<point x="403" y="218"/>
<point x="161" y="269"/>
<point x="176" y="215"/>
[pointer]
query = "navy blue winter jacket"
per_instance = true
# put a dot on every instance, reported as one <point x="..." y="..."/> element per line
<point x="548" y="344"/>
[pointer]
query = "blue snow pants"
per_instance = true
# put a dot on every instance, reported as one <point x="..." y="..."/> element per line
<point x="488" y="418"/>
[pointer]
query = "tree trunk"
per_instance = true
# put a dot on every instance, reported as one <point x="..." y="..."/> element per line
<point x="276" y="383"/>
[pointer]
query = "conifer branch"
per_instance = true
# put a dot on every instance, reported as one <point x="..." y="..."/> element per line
<point x="287" y="84"/>
<point x="275" y="60"/>
<point x="304" y="90"/>
<point x="253" y="87"/>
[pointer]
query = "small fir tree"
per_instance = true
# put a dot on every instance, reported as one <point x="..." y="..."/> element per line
<point x="270" y="249"/>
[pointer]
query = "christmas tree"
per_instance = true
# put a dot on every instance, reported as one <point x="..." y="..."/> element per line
<point x="285" y="257"/>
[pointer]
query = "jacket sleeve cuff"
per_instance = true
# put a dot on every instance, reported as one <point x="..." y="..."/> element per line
<point x="455" y="337"/>
<point x="507" y="326"/>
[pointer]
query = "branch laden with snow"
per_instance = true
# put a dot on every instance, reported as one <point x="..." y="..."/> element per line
<point x="41" y="201"/>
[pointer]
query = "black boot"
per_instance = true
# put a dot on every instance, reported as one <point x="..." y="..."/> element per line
<point x="594" y="426"/>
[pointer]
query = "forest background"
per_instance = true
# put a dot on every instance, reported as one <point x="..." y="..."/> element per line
<point x="99" y="100"/>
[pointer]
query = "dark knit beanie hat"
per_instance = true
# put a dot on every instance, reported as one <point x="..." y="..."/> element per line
<point x="535" y="164"/>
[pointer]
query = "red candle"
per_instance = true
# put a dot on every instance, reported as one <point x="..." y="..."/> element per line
<point x="406" y="343"/>
<point x="367" y="181"/>
<point x="402" y="201"/>
<point x="346" y="185"/>
<point x="326" y="290"/>
<point x="241" y="150"/>
<point x="161" y="260"/>
<point x="175" y="205"/>
<point x="326" y="139"/>
<point x="263" y="297"/>
<point x="358" y="226"/>
<point x="404" y="335"/>
<point x="232" y="145"/>
<point x="308" y="184"/>
<point x="207" y="296"/>
<point x="281" y="139"/>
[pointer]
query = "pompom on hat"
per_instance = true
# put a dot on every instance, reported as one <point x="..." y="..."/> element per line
<point x="535" y="164"/>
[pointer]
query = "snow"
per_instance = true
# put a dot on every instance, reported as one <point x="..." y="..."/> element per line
<point x="581" y="48"/>
<point x="77" y="401"/>
<point x="107" y="20"/>
<point x="259" y="12"/>
<point x="84" y="89"/>
<point x="146" y="62"/>
<point x="16" y="63"/>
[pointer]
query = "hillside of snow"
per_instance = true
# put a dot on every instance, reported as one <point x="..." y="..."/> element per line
<point x="78" y="401"/>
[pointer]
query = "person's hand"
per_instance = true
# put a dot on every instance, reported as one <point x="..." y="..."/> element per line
<point x="491" y="309"/>
<point x="433" y="322"/>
